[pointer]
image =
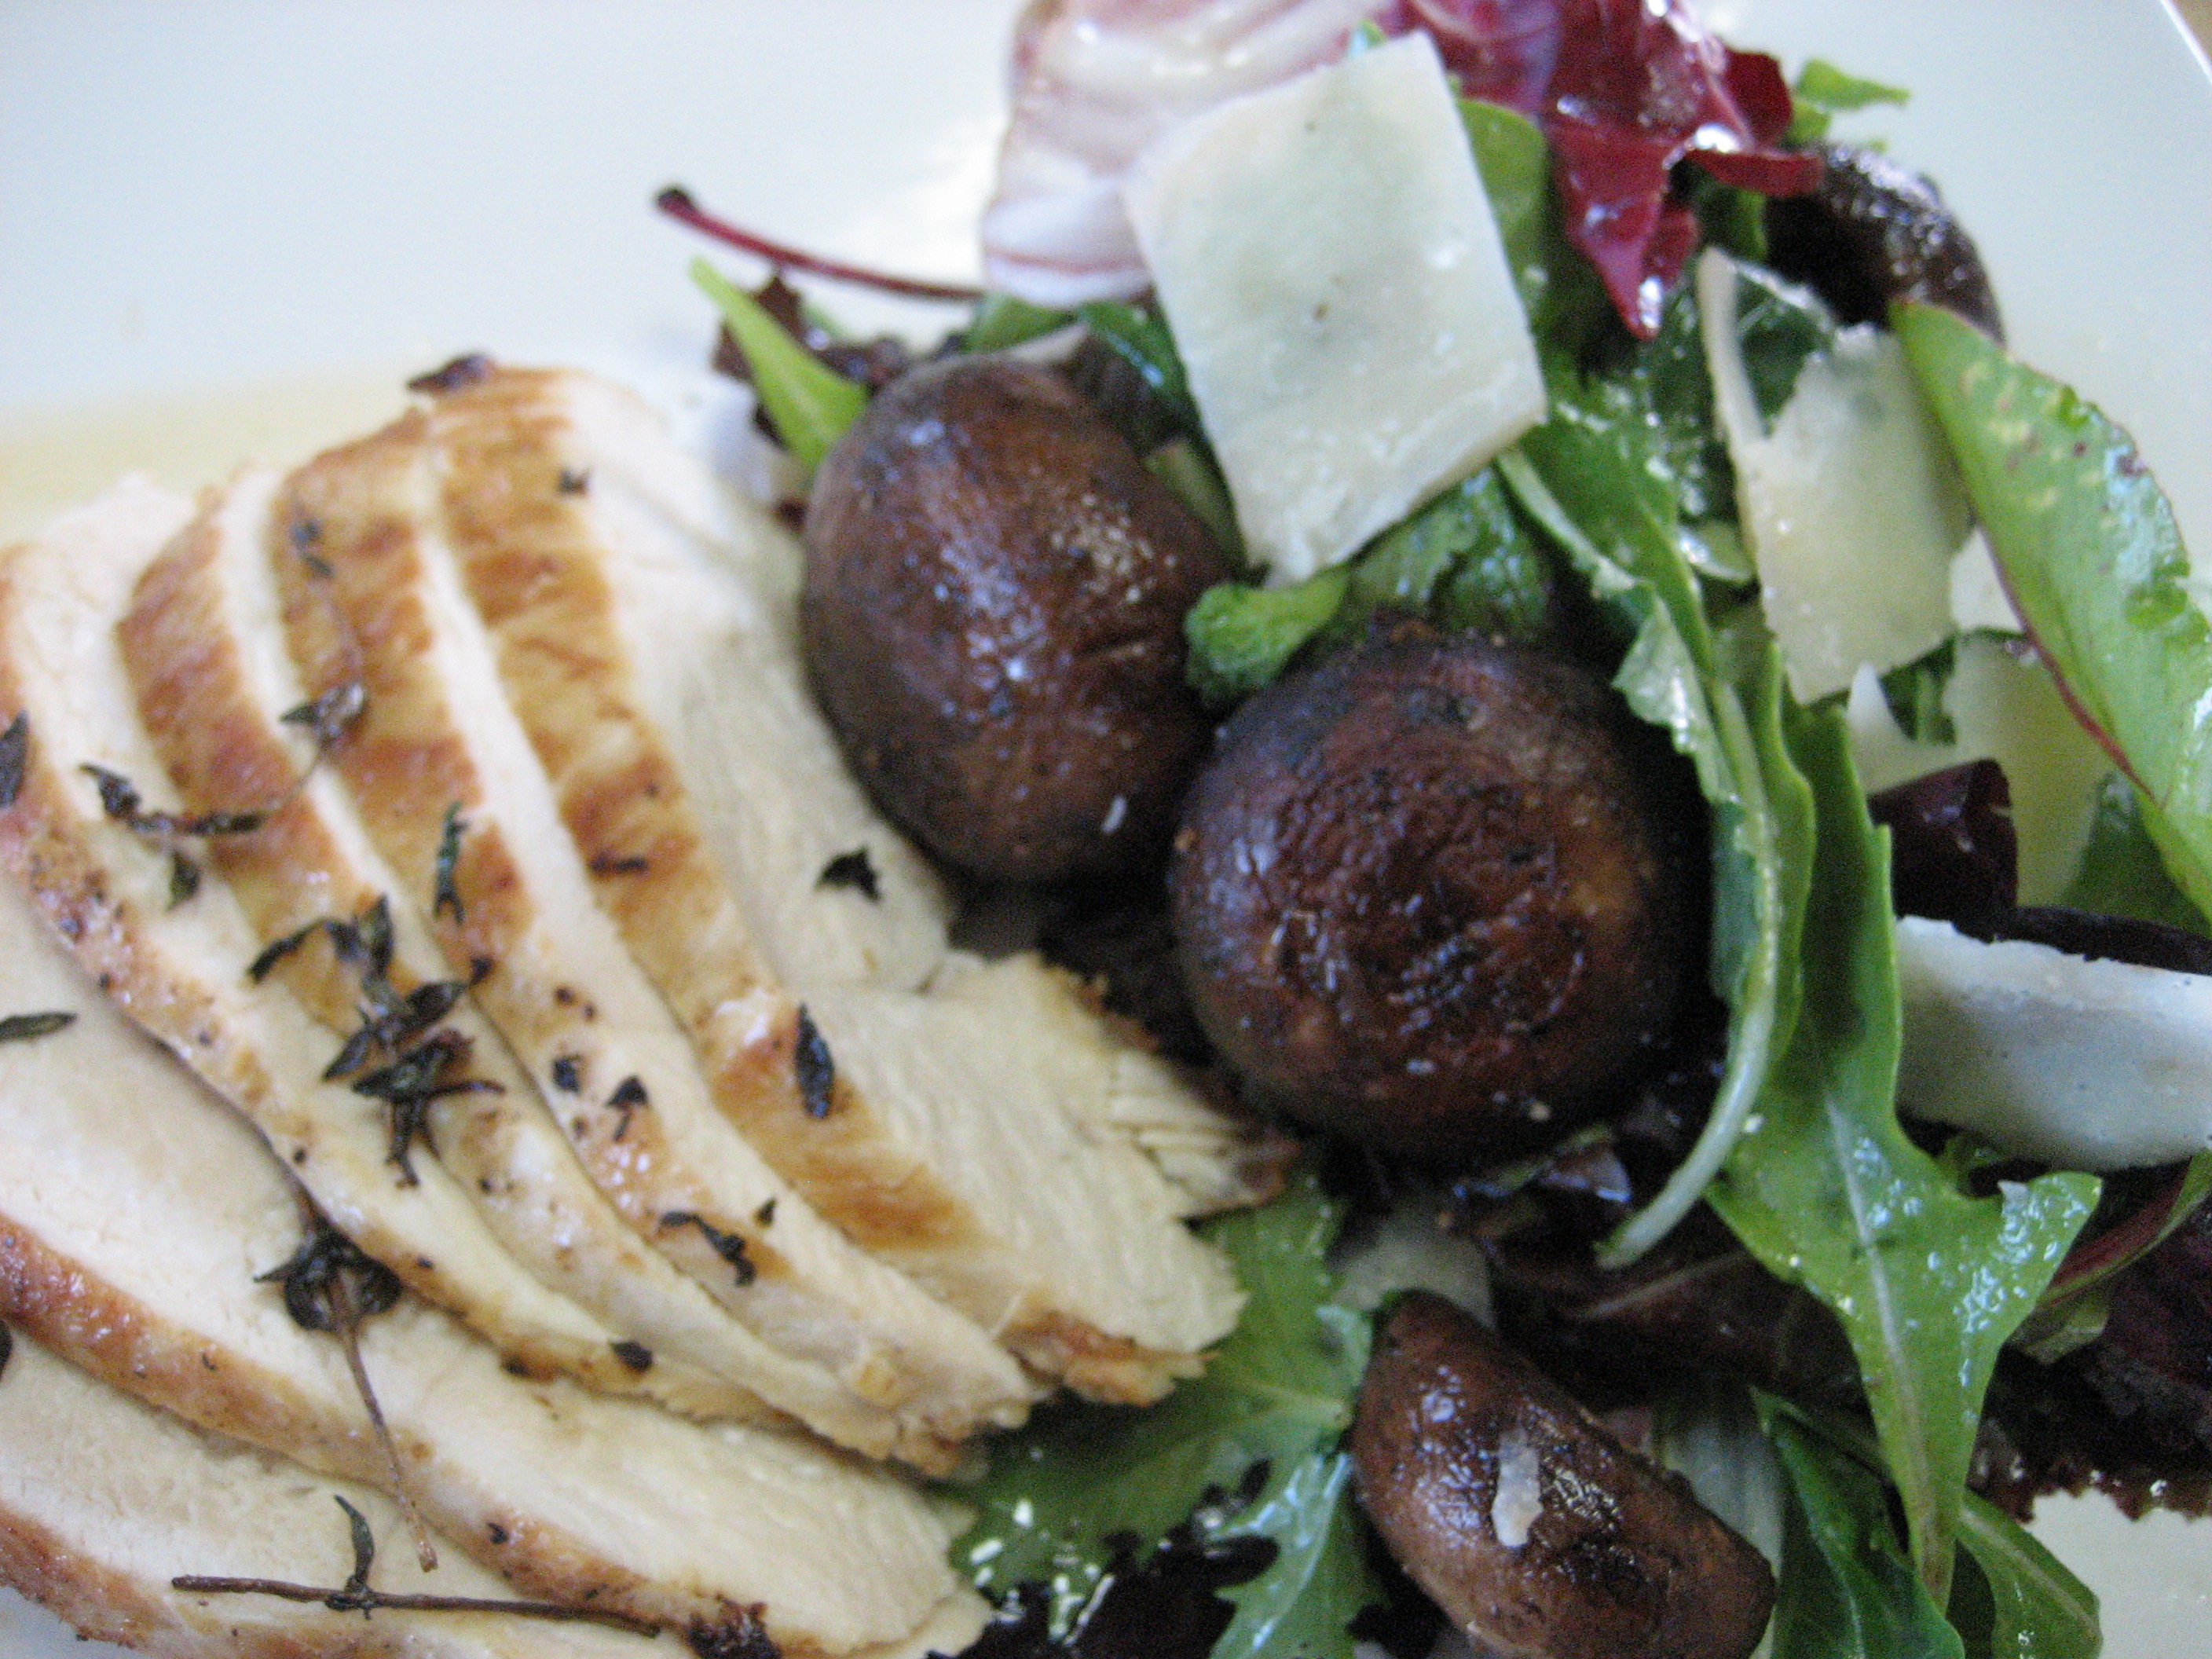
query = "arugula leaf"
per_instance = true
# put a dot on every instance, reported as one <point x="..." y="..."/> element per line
<point x="2121" y="873"/>
<point x="1561" y="293"/>
<point x="1465" y="559"/>
<point x="2093" y="562"/>
<point x="1781" y="327"/>
<point x="1141" y="340"/>
<point x="1185" y="467"/>
<point x="1277" y="1395"/>
<point x="1845" y="1591"/>
<point x="1822" y="91"/>
<point x="1828" y="1192"/>
<point x="809" y="404"/>
<point x="2038" y="1609"/>
<point x="1586" y="478"/>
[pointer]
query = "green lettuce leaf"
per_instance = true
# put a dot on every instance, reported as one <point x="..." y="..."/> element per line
<point x="1241" y="636"/>
<point x="1001" y="320"/>
<point x="1140" y="337"/>
<point x="1277" y="1396"/>
<point x="1465" y="560"/>
<point x="1822" y="91"/>
<point x="809" y="405"/>
<point x="1828" y="1192"/>
<point x="2093" y="561"/>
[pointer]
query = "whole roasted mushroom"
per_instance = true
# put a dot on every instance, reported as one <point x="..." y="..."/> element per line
<point x="1874" y="232"/>
<point x="992" y="618"/>
<point x="1537" y="1532"/>
<point x="1434" y="894"/>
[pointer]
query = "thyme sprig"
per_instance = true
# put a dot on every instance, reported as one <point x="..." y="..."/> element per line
<point x="331" y="1285"/>
<point x="398" y="1028"/>
<point x="356" y="1594"/>
<point x="327" y="719"/>
<point x="167" y="831"/>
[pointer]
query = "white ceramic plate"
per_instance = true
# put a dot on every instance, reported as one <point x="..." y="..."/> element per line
<point x="232" y="228"/>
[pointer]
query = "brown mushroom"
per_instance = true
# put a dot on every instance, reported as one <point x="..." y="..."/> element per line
<point x="992" y="618"/>
<point x="1874" y="232"/>
<point x="1536" y="1531"/>
<point x="1432" y="894"/>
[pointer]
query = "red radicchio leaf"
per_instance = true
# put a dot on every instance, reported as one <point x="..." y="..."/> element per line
<point x="1624" y="89"/>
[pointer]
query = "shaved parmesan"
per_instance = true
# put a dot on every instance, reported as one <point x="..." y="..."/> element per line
<point x="1328" y="259"/>
<point x="2087" y="1064"/>
<point x="1850" y="504"/>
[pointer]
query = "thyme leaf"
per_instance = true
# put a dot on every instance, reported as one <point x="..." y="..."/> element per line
<point x="854" y="870"/>
<point x="443" y="892"/>
<point x="330" y="1275"/>
<point x="730" y="1247"/>
<point x="306" y="534"/>
<point x="817" y="1073"/>
<point x="629" y="1095"/>
<point x="22" y="1028"/>
<point x="356" y="1594"/>
<point x="277" y="950"/>
<point x="415" y="1082"/>
<point x="331" y="715"/>
<point x="738" y="1634"/>
<point x="14" y="750"/>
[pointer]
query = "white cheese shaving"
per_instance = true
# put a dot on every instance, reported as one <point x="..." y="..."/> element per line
<point x="1851" y="505"/>
<point x="1328" y="259"/>
<point x="2088" y="1065"/>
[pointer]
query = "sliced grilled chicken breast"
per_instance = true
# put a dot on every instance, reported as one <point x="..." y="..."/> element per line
<point x="136" y="1216"/>
<point x="104" y="1500"/>
<point x="180" y="968"/>
<point x="204" y="644"/>
<point x="640" y="647"/>
<point x="448" y="787"/>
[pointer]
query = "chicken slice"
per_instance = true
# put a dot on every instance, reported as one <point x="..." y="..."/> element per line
<point x="180" y="968"/>
<point x="138" y="1218"/>
<point x="447" y="785"/>
<point x="104" y="1500"/>
<point x="636" y="651"/>
<point x="204" y="644"/>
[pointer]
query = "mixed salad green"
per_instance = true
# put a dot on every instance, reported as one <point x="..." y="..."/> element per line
<point x="1624" y="499"/>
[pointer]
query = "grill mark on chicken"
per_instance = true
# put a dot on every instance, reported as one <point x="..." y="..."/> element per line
<point x="183" y="640"/>
<point x="542" y="571"/>
<point x="434" y="733"/>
